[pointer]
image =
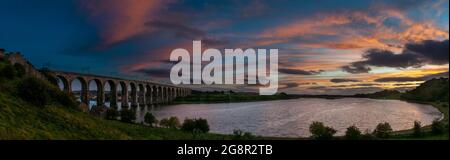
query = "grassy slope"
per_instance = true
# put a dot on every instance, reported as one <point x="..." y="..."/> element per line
<point x="20" y="120"/>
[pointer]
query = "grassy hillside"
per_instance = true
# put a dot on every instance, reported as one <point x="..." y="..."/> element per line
<point x="435" y="90"/>
<point x="41" y="116"/>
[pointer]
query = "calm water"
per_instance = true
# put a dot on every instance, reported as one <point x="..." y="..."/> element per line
<point x="291" y="118"/>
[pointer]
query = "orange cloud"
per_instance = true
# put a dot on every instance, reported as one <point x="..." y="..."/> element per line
<point x="420" y="32"/>
<point x="341" y="25"/>
<point x="119" y="20"/>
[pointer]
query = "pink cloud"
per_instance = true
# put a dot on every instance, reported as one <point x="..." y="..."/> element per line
<point x="118" y="20"/>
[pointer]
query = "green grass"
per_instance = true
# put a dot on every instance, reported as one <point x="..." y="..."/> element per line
<point x="20" y="120"/>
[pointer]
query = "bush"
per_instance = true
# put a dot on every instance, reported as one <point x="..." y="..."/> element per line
<point x="150" y="119"/>
<point x="321" y="132"/>
<point x="98" y="111"/>
<point x="240" y="135"/>
<point x="7" y="71"/>
<point x="437" y="127"/>
<point x="19" y="70"/>
<point x="383" y="130"/>
<point x="127" y="115"/>
<point x="195" y="125"/>
<point x="172" y="122"/>
<point x="34" y="91"/>
<point x="417" y="129"/>
<point x="112" y="114"/>
<point x="353" y="133"/>
<point x="66" y="99"/>
<point x="367" y="135"/>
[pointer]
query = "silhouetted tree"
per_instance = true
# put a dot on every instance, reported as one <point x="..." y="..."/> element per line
<point x="383" y="130"/>
<point x="321" y="132"/>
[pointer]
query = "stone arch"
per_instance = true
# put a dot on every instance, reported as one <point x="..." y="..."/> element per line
<point x="123" y="93"/>
<point x="155" y="94"/>
<point x="148" y="94"/>
<point x="100" y="94"/>
<point x="83" y="89"/>
<point x="110" y="93"/>
<point x="160" y="94"/>
<point x="141" y="95"/>
<point x="132" y="94"/>
<point x="66" y="87"/>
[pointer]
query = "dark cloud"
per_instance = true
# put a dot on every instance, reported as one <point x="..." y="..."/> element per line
<point x="356" y="85"/>
<point x="356" y="68"/>
<point x="290" y="85"/>
<point x="155" y="72"/>
<point x="433" y="52"/>
<point x="341" y="80"/>
<point x="413" y="55"/>
<point x="179" y="29"/>
<point x="298" y="71"/>
<point x="409" y="79"/>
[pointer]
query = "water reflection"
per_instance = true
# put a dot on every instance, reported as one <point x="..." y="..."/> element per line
<point x="291" y="118"/>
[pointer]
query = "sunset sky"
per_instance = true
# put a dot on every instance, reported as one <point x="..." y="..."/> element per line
<point x="325" y="46"/>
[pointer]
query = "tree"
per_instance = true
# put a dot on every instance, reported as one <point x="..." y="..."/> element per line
<point x="35" y="91"/>
<point x="321" y="132"/>
<point x="353" y="133"/>
<point x="172" y="122"/>
<point x="195" y="125"/>
<point x="417" y="129"/>
<point x="7" y="71"/>
<point x="20" y="71"/>
<point x="383" y="130"/>
<point x="112" y="114"/>
<point x="150" y="119"/>
<point x="127" y="115"/>
<point x="241" y="135"/>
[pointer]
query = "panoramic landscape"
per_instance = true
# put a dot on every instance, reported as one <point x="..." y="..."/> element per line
<point x="350" y="70"/>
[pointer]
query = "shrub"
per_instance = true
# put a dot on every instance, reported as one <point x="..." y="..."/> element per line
<point x="367" y="135"/>
<point x="127" y="115"/>
<point x="240" y="135"/>
<point x="98" y="111"/>
<point x="150" y="119"/>
<point x="417" y="129"/>
<point x="19" y="70"/>
<point x="195" y="125"/>
<point x="66" y="99"/>
<point x="353" y="133"/>
<point x="172" y="122"/>
<point x="112" y="114"/>
<point x="321" y="132"/>
<point x="7" y="71"/>
<point x="437" y="127"/>
<point x="383" y="130"/>
<point x="35" y="91"/>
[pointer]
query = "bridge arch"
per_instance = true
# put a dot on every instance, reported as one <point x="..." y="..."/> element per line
<point x="63" y="83"/>
<point x="98" y="96"/>
<point x="148" y="94"/>
<point x="122" y="89"/>
<point x="141" y="95"/>
<point x="79" y="88"/>
<point x="110" y="93"/>
<point x="132" y="89"/>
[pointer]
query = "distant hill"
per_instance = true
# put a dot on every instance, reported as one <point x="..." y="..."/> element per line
<point x="430" y="91"/>
<point x="434" y="90"/>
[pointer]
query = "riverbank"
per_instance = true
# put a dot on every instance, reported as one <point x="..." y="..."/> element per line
<point x="221" y="97"/>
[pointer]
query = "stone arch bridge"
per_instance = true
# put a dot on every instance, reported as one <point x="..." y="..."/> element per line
<point x="142" y="92"/>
